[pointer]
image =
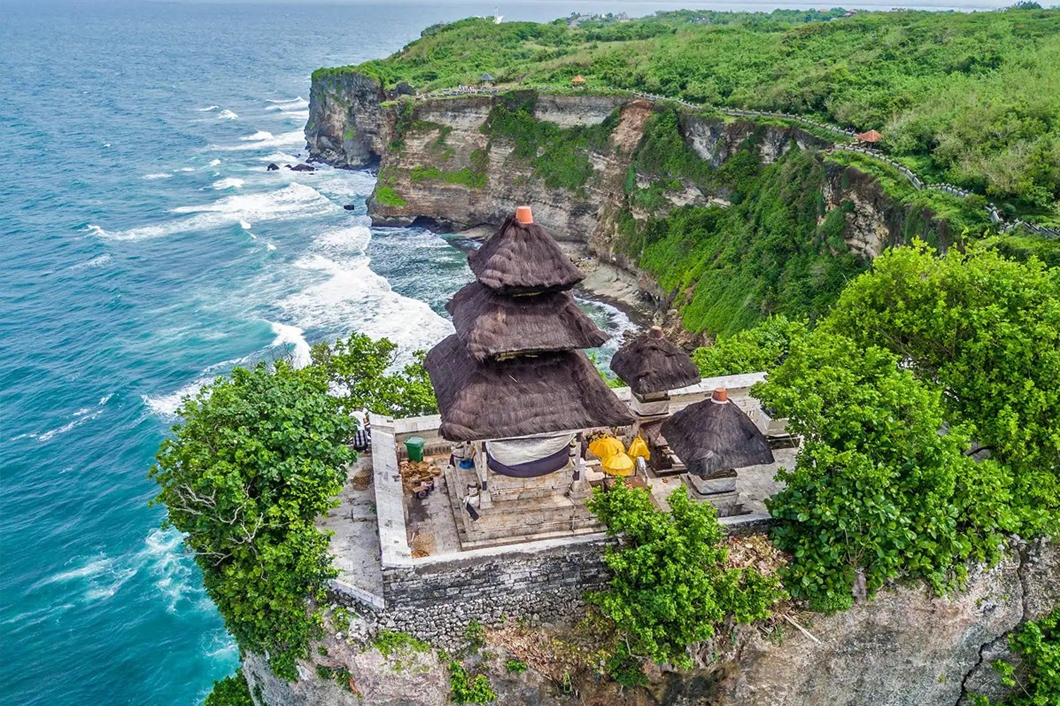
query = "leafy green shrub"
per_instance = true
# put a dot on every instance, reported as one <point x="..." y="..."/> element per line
<point x="516" y="666"/>
<point x="467" y="690"/>
<point x="876" y="490"/>
<point x="670" y="585"/>
<point x="984" y="332"/>
<point x="466" y="176"/>
<point x="475" y="635"/>
<point x="387" y="196"/>
<point x="258" y="457"/>
<point x="359" y="370"/>
<point x="389" y="642"/>
<point x="757" y="349"/>
<point x="1038" y="675"/>
<point x="230" y="691"/>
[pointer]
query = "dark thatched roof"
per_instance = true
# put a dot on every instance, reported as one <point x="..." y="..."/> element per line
<point x="650" y="363"/>
<point x="711" y="436"/>
<point x="522" y="258"/>
<point x="519" y="396"/>
<point x="490" y="324"/>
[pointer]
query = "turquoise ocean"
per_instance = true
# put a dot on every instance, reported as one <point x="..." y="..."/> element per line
<point x="145" y="250"/>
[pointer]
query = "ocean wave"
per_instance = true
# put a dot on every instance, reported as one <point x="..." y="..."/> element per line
<point x="262" y="139"/>
<point x="214" y="162"/>
<point x="244" y="225"/>
<point x="292" y="201"/>
<point x="160" y="557"/>
<point x="81" y="416"/>
<point x="352" y="297"/>
<point x="227" y="115"/>
<point x="298" y="103"/>
<point x="209" y="108"/>
<point x="293" y="340"/>
<point x="166" y="406"/>
<point x="158" y="175"/>
<point x="228" y="183"/>
<point x="97" y="261"/>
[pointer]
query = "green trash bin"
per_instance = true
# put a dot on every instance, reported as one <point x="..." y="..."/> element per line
<point x="414" y="445"/>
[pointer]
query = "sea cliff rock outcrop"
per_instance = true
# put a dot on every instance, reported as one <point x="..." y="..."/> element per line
<point x="905" y="647"/>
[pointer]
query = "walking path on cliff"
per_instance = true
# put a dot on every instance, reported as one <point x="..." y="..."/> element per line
<point x="917" y="182"/>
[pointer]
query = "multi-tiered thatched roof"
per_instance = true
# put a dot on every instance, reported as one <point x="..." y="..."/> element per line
<point x="715" y="435"/>
<point x="514" y="367"/>
<point x="522" y="258"/>
<point x="519" y="396"/>
<point x="490" y="324"/>
<point x="650" y="363"/>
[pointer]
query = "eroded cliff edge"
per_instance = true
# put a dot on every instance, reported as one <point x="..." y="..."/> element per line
<point x="604" y="172"/>
<point x="905" y="647"/>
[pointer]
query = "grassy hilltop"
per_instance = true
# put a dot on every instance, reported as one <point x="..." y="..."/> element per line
<point x="971" y="99"/>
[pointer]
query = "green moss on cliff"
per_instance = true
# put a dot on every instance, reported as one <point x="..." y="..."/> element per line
<point x="386" y="196"/>
<point x="766" y="254"/>
<point x="559" y="156"/>
<point x="466" y="176"/>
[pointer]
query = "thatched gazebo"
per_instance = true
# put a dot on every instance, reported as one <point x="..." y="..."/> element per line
<point x="485" y="79"/>
<point x="871" y="137"/>
<point x="578" y="81"/>
<point x="651" y="364"/>
<point x="714" y="436"/>
<point x="514" y="367"/>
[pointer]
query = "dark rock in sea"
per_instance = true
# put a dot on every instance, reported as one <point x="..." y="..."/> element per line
<point x="273" y="167"/>
<point x="349" y="207"/>
<point x="302" y="168"/>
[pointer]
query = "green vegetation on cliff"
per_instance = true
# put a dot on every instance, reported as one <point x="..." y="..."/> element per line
<point x="1036" y="677"/>
<point x="670" y="585"/>
<point x="259" y="456"/>
<point x="973" y="99"/>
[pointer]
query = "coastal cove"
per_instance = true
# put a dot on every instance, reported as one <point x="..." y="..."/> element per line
<point x="250" y="199"/>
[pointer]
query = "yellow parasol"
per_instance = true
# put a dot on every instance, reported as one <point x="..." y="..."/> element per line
<point x="638" y="449"/>
<point x="618" y="464"/>
<point x="606" y="446"/>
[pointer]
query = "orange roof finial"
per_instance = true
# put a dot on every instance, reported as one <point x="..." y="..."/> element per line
<point x="720" y="396"/>
<point x="524" y="215"/>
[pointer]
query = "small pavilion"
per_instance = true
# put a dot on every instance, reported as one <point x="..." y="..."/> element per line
<point x="870" y="138"/>
<point x="516" y="392"/>
<point x="578" y="81"/>
<point x="652" y="366"/>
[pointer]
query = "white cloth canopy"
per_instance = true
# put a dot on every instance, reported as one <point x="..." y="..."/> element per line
<point x="514" y="452"/>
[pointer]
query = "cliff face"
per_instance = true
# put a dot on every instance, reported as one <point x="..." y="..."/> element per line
<point x="606" y="172"/>
<point x="905" y="647"/>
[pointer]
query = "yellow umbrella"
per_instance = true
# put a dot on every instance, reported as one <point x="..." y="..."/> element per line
<point x="618" y="465"/>
<point x="638" y="449"/>
<point x="606" y="446"/>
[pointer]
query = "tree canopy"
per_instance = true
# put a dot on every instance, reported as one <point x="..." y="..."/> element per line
<point x="985" y="332"/>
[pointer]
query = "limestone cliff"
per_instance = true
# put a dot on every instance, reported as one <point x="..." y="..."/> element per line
<point x="904" y="647"/>
<point x="594" y="170"/>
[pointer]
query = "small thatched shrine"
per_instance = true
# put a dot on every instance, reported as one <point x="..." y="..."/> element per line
<point x="514" y="383"/>
<point x="652" y="366"/>
<point x="715" y="437"/>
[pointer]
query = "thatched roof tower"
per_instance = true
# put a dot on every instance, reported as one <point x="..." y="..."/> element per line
<point x="514" y="366"/>
<point x="715" y="435"/>
<point x="522" y="258"/>
<point x="491" y="324"/>
<point x="650" y="363"/>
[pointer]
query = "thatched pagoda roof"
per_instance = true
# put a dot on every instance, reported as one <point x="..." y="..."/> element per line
<point x="521" y="258"/>
<point x="870" y="136"/>
<point x="491" y="324"/>
<point x="650" y="363"/>
<point x="519" y="396"/>
<point x="715" y="435"/>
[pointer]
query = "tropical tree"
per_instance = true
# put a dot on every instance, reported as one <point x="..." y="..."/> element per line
<point x="882" y="489"/>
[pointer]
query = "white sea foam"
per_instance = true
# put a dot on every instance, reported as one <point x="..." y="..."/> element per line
<point x="228" y="183"/>
<point x="227" y="115"/>
<point x="160" y="557"/>
<point x="93" y="229"/>
<point x="209" y="108"/>
<point x="345" y="295"/>
<point x="214" y="162"/>
<point x="158" y="175"/>
<point x="166" y="406"/>
<point x="187" y="169"/>
<point x="244" y="225"/>
<point x="270" y="246"/>
<point x="293" y="340"/>
<point x="263" y="139"/>
<point x="81" y="416"/>
<point x="292" y="201"/>
<point x="97" y="261"/>
<point x="298" y="103"/>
